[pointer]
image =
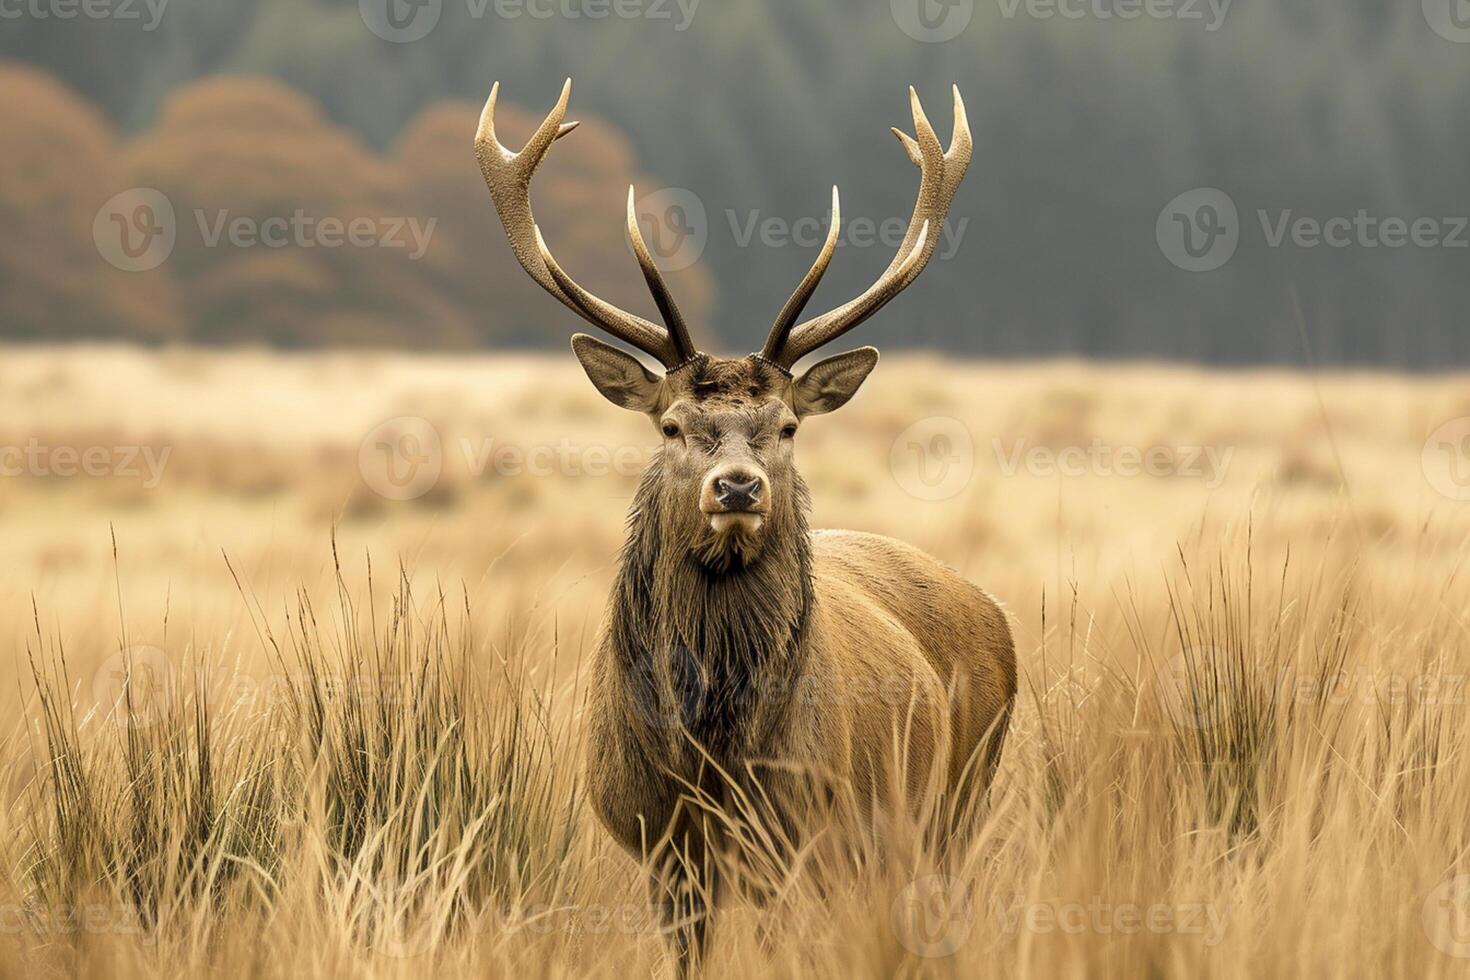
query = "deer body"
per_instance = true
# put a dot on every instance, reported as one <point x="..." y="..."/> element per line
<point x="754" y="681"/>
<point x="871" y="659"/>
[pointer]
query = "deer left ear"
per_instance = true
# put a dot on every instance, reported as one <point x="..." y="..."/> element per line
<point x="828" y="385"/>
<point x="622" y="378"/>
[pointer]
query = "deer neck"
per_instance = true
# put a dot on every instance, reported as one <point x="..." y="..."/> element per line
<point x="717" y="650"/>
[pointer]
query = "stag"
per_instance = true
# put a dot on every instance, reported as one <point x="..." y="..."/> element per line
<point x="745" y="661"/>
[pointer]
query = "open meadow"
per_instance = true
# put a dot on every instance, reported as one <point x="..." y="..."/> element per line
<point x="266" y="719"/>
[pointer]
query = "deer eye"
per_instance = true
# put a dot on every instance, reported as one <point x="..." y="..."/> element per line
<point x="788" y="431"/>
<point x="671" y="430"/>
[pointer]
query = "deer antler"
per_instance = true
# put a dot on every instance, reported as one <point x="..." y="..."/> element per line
<point x="940" y="175"/>
<point x="508" y="175"/>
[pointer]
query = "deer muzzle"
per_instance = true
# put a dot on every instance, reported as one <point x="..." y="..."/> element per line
<point x="735" y="496"/>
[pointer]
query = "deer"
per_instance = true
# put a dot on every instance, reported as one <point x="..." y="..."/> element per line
<point x="746" y="661"/>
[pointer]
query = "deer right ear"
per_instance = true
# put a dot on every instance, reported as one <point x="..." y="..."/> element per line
<point x="828" y="385"/>
<point x="622" y="378"/>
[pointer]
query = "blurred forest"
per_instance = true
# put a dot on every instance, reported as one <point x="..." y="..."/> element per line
<point x="1085" y="129"/>
<point x="255" y="149"/>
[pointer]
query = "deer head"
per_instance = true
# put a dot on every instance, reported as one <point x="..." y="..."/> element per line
<point x="726" y="474"/>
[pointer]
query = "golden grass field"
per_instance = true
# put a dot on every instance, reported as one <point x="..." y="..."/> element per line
<point x="1241" y="747"/>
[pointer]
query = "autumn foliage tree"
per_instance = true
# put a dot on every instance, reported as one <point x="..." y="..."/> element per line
<point x="59" y="164"/>
<point x="265" y="189"/>
<point x="289" y="230"/>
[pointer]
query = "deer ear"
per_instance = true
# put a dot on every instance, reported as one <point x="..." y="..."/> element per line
<point x="622" y="378"/>
<point x="827" y="385"/>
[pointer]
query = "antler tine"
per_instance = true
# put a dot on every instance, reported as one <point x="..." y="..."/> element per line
<point x="643" y="335"/>
<point x="961" y="144"/>
<point x="787" y="318"/>
<point x="940" y="174"/>
<point x="667" y="308"/>
<point x="508" y="176"/>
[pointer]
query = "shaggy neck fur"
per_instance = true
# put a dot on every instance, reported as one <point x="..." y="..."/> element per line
<point x="707" y="632"/>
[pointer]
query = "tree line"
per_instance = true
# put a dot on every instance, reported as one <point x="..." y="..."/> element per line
<point x="1087" y="125"/>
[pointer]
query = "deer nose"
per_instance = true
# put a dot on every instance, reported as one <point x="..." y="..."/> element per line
<point x="738" y="491"/>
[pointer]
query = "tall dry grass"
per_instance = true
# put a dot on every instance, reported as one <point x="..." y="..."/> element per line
<point x="269" y="723"/>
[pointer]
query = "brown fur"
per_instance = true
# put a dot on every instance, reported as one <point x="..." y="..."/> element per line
<point x="780" y="666"/>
